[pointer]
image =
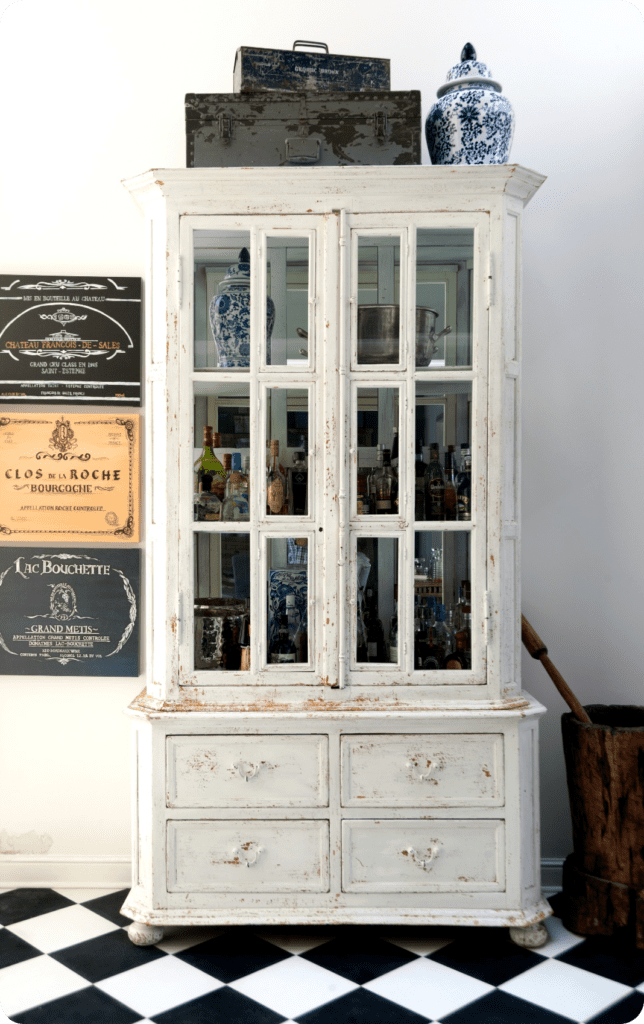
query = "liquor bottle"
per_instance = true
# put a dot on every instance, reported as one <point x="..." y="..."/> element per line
<point x="435" y="651"/>
<point x="244" y="642"/>
<point x="231" y="651"/>
<point x="298" y="486"/>
<point x="207" y="507"/>
<point x="460" y="656"/>
<point x="282" y="651"/>
<point x="420" y="635"/>
<point x="434" y="486"/>
<point x="443" y="634"/>
<point x="376" y="648"/>
<point x="246" y="476"/>
<point x="385" y="485"/>
<point x="450" y="484"/>
<point x="275" y="483"/>
<point x="293" y="619"/>
<point x="419" y="487"/>
<point x="393" y="630"/>
<point x="464" y="485"/>
<point x="363" y="506"/>
<point x="371" y="485"/>
<point x="235" y="506"/>
<point x="209" y="471"/>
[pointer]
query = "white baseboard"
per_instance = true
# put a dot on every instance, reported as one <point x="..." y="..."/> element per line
<point x="74" y="871"/>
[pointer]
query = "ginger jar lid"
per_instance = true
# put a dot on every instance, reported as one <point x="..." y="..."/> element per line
<point x="470" y="73"/>
<point x="239" y="273"/>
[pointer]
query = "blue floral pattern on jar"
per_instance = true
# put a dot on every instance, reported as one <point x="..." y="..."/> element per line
<point x="230" y="316"/>
<point x="472" y="122"/>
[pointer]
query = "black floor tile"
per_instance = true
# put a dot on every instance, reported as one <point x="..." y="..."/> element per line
<point x="21" y="904"/>
<point x="624" y="1012"/>
<point x="233" y="954"/>
<point x="492" y="958"/>
<point x="225" y="1006"/>
<point x="105" y="956"/>
<point x="13" y="950"/>
<point x="361" y="1007"/>
<point x="88" y="1006"/>
<point x="109" y="906"/>
<point x="359" y="961"/>
<point x="613" y="958"/>
<point x="502" y="1008"/>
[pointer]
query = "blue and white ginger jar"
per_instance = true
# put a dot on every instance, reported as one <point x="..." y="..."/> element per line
<point x="230" y="316"/>
<point x="472" y="123"/>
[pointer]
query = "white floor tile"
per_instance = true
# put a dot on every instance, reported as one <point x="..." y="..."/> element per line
<point x="560" y="940"/>
<point x="296" y="942"/>
<point x="565" y="989"/>
<point x="423" y="947"/>
<point x="178" y="939"/>
<point x="293" y="987"/>
<point x="83" y="895"/>
<point x="35" y="981"/>
<point x="62" y="928"/>
<point x="159" y="985"/>
<point x="428" y="988"/>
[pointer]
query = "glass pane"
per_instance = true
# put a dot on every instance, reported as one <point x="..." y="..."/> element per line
<point x="221" y="432"/>
<point x="377" y="434"/>
<point x="222" y="299"/>
<point x="444" y="275"/>
<point x="287" y="304"/>
<point x="222" y="601"/>
<point x="442" y="609"/>
<point x="378" y="300"/>
<point x="287" y="437"/>
<point x="376" y="604"/>
<point x="442" y="486"/>
<point x="287" y="600"/>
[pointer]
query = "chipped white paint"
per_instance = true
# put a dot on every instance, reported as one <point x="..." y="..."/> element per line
<point x="333" y="792"/>
<point x="28" y="843"/>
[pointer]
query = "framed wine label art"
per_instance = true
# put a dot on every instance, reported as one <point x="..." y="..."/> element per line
<point x="70" y="339"/>
<point x="69" y="611"/>
<point x="67" y="478"/>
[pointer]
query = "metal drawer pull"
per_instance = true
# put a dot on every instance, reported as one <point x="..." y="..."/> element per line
<point x="249" y="856"/>
<point x="247" y="772"/>
<point x="422" y="776"/>
<point x="423" y="862"/>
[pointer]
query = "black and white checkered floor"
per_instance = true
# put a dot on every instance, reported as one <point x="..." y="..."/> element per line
<point x="66" y="958"/>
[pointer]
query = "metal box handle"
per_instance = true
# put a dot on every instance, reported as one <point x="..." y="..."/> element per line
<point x="306" y="42"/>
<point x="302" y="151"/>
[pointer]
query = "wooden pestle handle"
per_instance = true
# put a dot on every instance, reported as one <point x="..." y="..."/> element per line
<point x="536" y="647"/>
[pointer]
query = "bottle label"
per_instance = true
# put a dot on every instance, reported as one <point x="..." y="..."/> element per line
<point x="393" y="654"/>
<point x="275" y="497"/>
<point x="453" y="663"/>
<point x="284" y="658"/>
<point x="372" y="651"/>
<point x="383" y="505"/>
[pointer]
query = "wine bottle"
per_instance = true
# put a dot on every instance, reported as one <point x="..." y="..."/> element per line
<point x="419" y="486"/>
<point x="450" y="484"/>
<point x="385" y="486"/>
<point x="275" y="483"/>
<point x="282" y="650"/>
<point x="464" y="485"/>
<point x="434" y="486"/>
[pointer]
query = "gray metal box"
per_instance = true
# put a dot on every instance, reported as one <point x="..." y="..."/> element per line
<point x="277" y="129"/>
<point x="260" y="70"/>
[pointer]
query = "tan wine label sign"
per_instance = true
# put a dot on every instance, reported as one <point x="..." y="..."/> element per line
<point x="68" y="477"/>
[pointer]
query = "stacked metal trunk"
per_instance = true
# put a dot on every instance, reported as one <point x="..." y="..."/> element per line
<point x="296" y="108"/>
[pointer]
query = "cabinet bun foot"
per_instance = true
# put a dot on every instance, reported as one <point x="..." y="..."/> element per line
<point x="532" y="937"/>
<point x="144" y="934"/>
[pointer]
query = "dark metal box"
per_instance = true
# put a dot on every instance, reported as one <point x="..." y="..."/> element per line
<point x="260" y="70"/>
<point x="323" y="130"/>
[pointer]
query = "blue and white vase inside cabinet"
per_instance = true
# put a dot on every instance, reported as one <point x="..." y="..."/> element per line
<point x="230" y="316"/>
<point x="472" y="123"/>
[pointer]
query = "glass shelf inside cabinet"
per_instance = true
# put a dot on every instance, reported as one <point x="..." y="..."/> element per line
<point x="442" y="601"/>
<point x="221" y="452"/>
<point x="442" y="467"/>
<point x="377" y="466"/>
<point x="444" y="290"/>
<point x="222" y="606"/>
<point x="288" y="330"/>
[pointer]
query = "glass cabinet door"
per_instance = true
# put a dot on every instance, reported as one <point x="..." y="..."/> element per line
<point x="418" y="561"/>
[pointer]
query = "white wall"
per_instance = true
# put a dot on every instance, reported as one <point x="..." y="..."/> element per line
<point x="93" y="93"/>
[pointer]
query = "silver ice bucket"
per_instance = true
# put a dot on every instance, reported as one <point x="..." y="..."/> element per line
<point x="379" y="331"/>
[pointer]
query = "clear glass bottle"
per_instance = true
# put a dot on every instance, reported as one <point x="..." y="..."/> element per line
<point x="443" y="634"/>
<point x="275" y="483"/>
<point x="434" y="486"/>
<point x="376" y="647"/>
<point x="246" y="476"/>
<point x="235" y="506"/>
<point x="464" y="485"/>
<point x="385" y="484"/>
<point x="450" y="484"/>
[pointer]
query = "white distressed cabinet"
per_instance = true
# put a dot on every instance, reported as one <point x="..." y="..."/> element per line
<point x="355" y="780"/>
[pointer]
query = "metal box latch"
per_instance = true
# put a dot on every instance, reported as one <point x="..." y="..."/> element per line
<point x="225" y="126"/>
<point x="380" y="124"/>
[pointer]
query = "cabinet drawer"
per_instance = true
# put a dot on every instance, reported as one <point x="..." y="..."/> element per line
<point x="248" y="856"/>
<point x="411" y="855"/>
<point x="423" y="770"/>
<point x="247" y="771"/>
